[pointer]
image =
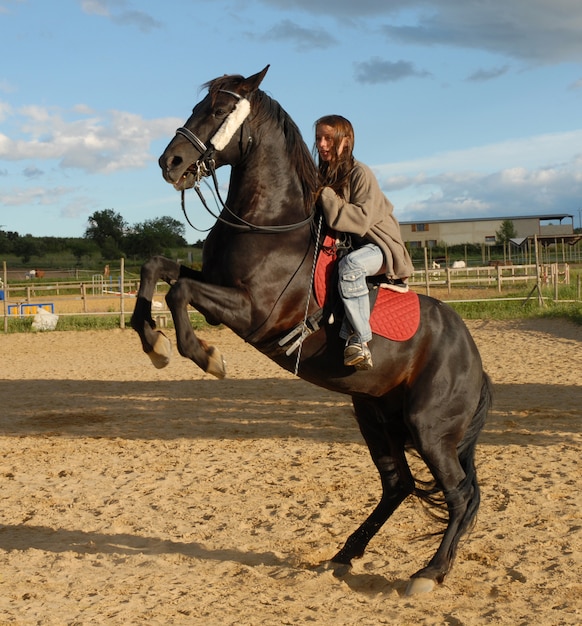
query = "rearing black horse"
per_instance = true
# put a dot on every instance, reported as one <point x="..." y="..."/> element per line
<point x="429" y="392"/>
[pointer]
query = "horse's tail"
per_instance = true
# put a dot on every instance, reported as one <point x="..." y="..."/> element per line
<point x="429" y="492"/>
<point x="466" y="451"/>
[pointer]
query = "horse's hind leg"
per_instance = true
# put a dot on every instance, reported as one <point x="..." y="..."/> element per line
<point x="451" y="462"/>
<point x="386" y="444"/>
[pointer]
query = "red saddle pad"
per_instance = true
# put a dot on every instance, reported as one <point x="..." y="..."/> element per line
<point x="395" y="315"/>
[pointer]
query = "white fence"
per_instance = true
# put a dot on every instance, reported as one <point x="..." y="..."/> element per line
<point x="104" y="296"/>
<point x="497" y="276"/>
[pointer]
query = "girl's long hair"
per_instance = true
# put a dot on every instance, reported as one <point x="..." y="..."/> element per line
<point x="336" y="173"/>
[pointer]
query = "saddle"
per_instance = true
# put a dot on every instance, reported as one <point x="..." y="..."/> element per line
<point x="395" y="316"/>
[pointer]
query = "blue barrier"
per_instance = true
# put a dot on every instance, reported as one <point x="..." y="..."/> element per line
<point x="27" y="308"/>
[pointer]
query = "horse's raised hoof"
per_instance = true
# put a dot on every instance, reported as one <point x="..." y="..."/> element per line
<point x="216" y="362"/>
<point x="161" y="352"/>
<point x="419" y="585"/>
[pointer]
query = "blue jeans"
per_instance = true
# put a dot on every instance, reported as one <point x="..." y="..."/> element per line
<point x="353" y="269"/>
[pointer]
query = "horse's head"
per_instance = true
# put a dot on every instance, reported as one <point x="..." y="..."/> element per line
<point x="211" y="132"/>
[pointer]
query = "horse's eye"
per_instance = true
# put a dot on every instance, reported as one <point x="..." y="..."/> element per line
<point x="219" y="113"/>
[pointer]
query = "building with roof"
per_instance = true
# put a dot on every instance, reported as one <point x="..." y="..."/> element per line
<point x="482" y="230"/>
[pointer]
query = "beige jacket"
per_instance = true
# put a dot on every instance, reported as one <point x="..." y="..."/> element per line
<point x="368" y="214"/>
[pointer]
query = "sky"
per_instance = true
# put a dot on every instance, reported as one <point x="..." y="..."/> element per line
<point x="463" y="108"/>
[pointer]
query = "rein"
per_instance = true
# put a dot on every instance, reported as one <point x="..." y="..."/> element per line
<point x="208" y="169"/>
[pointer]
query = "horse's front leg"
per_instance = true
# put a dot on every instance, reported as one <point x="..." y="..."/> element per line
<point x="226" y="305"/>
<point x="219" y="305"/>
<point x="154" y="343"/>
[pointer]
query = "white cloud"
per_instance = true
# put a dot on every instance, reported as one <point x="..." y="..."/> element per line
<point x="82" y="139"/>
<point x="33" y="195"/>
<point x="530" y="176"/>
<point x="528" y="152"/>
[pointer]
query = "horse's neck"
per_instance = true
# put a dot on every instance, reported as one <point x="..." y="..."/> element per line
<point x="265" y="190"/>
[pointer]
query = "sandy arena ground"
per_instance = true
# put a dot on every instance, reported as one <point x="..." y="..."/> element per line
<point x="132" y="495"/>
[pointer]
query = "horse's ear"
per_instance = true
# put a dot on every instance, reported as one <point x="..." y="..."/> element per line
<point x="252" y="83"/>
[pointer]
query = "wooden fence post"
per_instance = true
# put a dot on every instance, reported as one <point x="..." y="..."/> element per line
<point x="538" y="270"/>
<point x="5" y="287"/>
<point x="84" y="297"/>
<point x="426" y="275"/>
<point x="122" y="290"/>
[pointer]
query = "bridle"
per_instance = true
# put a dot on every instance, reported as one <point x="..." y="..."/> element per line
<point x="205" y="166"/>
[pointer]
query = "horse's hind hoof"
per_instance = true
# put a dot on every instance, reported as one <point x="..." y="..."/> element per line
<point x="419" y="585"/>
<point x="161" y="352"/>
<point x="339" y="570"/>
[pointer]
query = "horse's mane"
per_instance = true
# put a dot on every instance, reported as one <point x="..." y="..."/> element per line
<point x="267" y="110"/>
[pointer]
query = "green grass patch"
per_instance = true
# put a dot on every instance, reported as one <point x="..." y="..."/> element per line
<point x="570" y="311"/>
<point x="93" y="322"/>
<point x="513" y="310"/>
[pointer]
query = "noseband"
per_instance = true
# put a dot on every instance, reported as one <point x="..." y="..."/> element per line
<point x="192" y="138"/>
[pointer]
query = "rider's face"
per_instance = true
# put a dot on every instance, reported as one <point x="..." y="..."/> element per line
<point x="324" y="141"/>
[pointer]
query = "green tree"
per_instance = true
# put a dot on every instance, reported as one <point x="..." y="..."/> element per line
<point x="506" y="232"/>
<point x="83" y="248"/>
<point x="107" y="229"/>
<point x="154" y="236"/>
<point x="7" y="239"/>
<point x="27" y="247"/>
